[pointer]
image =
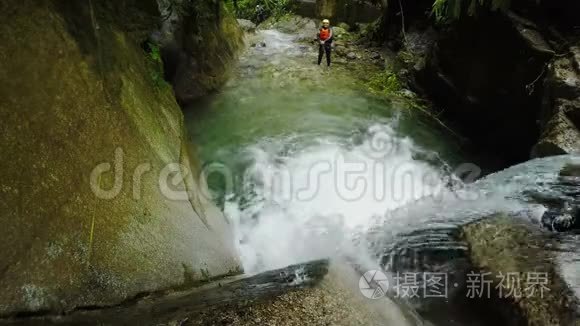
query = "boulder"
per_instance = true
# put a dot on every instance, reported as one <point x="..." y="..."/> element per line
<point x="247" y="25"/>
<point x="570" y="171"/>
<point x="340" y="50"/>
<point x="560" y="136"/>
<point x="526" y="287"/>
<point x="101" y="195"/>
<point x="351" y="56"/>
<point x="339" y="32"/>
<point x="560" y="116"/>
<point x="562" y="206"/>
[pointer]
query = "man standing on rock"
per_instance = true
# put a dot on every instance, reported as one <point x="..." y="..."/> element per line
<point x="325" y="39"/>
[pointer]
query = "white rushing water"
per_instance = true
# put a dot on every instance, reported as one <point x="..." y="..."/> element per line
<point x="313" y="202"/>
<point x="332" y="196"/>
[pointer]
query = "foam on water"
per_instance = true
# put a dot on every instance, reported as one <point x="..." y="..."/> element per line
<point x="311" y="203"/>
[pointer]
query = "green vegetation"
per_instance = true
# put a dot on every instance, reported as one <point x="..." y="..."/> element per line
<point x="449" y="10"/>
<point x="246" y="9"/>
<point x="384" y="83"/>
<point x="389" y="85"/>
<point x="155" y="63"/>
<point x="444" y="10"/>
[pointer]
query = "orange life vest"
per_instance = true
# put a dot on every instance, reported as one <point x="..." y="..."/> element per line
<point x="324" y="34"/>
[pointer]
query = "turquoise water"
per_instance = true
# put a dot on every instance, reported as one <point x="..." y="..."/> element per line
<point x="279" y="92"/>
<point x="318" y="167"/>
<point x="280" y="118"/>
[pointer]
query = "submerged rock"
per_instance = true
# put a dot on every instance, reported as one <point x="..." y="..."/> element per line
<point x="260" y="44"/>
<point x="563" y="205"/>
<point x="570" y="170"/>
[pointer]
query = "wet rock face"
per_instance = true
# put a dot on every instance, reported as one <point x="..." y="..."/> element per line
<point x="204" y="303"/>
<point x="87" y="132"/>
<point x="501" y="246"/>
<point x="200" y="42"/>
<point x="561" y="107"/>
<point x="486" y="73"/>
<point x="501" y="70"/>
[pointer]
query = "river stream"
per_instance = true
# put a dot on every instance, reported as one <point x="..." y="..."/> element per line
<point x="307" y="164"/>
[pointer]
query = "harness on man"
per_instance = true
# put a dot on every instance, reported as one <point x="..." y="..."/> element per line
<point x="324" y="34"/>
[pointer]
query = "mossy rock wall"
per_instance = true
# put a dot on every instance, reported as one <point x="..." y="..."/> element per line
<point x="199" y="48"/>
<point x="77" y="91"/>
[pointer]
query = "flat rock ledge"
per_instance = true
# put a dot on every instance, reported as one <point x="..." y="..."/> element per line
<point x="313" y="293"/>
<point x="335" y="301"/>
<point x="515" y="253"/>
<point x="167" y="308"/>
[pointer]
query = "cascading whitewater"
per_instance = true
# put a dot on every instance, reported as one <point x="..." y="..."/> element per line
<point x="311" y="202"/>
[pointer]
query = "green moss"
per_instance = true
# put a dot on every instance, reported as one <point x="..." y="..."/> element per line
<point x="213" y="40"/>
<point x="388" y="85"/>
<point x="155" y="64"/>
<point x="72" y="95"/>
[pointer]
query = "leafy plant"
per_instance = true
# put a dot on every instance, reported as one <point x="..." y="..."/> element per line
<point x="154" y="52"/>
<point x="278" y="8"/>
<point x="384" y="83"/>
<point x="156" y="63"/>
